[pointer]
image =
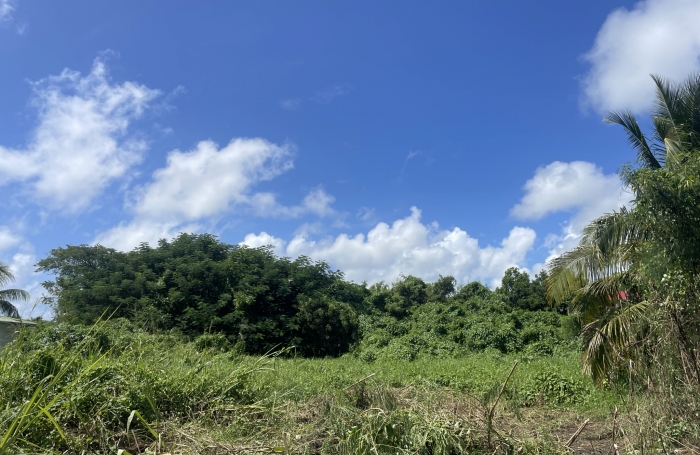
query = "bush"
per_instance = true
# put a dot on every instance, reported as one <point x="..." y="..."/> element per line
<point x="554" y="388"/>
<point x="212" y="341"/>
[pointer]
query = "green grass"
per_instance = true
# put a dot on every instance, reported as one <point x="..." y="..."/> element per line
<point x="476" y="374"/>
<point x="114" y="389"/>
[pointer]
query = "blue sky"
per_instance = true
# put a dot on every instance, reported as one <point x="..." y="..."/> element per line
<point x="453" y="138"/>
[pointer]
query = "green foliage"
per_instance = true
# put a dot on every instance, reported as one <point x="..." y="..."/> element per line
<point x="402" y="432"/>
<point x="634" y="276"/>
<point x="90" y="380"/>
<point x="95" y="382"/>
<point x="473" y="289"/>
<point x="519" y="292"/>
<point x="454" y="327"/>
<point x="196" y="284"/>
<point x="443" y="288"/>
<point x="557" y="389"/>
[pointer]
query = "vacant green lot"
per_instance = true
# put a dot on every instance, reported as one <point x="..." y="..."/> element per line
<point x="100" y="390"/>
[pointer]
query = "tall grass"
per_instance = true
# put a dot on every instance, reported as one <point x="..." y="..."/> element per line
<point x="111" y="388"/>
<point x="67" y="387"/>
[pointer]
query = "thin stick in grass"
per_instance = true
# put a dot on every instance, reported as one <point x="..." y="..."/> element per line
<point x="357" y="382"/>
<point x="489" y="415"/>
<point x="575" y="435"/>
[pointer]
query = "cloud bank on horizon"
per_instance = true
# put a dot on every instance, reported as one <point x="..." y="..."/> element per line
<point x="408" y="247"/>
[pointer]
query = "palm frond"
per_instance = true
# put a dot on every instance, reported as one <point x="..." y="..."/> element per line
<point x="691" y="101"/>
<point x="610" y="340"/>
<point x="596" y="270"/>
<point x="14" y="295"/>
<point x="562" y="281"/>
<point x="635" y="137"/>
<point x="608" y="287"/>
<point x="676" y="116"/>
<point x="668" y="102"/>
<point x="616" y="235"/>
<point x="7" y="309"/>
<point x="6" y="275"/>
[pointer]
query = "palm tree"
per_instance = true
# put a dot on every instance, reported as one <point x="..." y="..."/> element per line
<point x="8" y="295"/>
<point x="600" y="272"/>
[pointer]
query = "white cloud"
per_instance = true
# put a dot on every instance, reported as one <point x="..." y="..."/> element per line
<point x="128" y="235"/>
<point x="208" y="180"/>
<point x="316" y="202"/>
<point x="655" y="36"/>
<point x="195" y="185"/>
<point x="264" y="239"/>
<point x="366" y="214"/>
<point x="199" y="185"/>
<point x="330" y="94"/>
<point x="6" y="8"/>
<point x="290" y="104"/>
<point x="8" y="238"/>
<point x="409" y="247"/>
<point x="578" y="185"/>
<point x="80" y="145"/>
<point x="580" y="188"/>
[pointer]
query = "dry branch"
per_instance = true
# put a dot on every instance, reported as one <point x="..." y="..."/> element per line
<point x="578" y="432"/>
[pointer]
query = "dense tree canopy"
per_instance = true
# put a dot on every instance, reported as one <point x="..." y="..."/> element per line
<point x="196" y="285"/>
<point x="520" y="292"/>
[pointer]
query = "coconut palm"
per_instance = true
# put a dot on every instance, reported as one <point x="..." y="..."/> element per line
<point x="600" y="272"/>
<point x="8" y="295"/>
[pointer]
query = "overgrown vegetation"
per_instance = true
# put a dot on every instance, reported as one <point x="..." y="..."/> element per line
<point x="113" y="387"/>
<point x="197" y="284"/>
<point x="635" y="277"/>
<point x="420" y="370"/>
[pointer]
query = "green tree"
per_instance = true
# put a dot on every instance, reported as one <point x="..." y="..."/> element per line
<point x="7" y="296"/>
<point x="443" y="288"/>
<point x="520" y="292"/>
<point x="473" y="289"/>
<point x="634" y="275"/>
<point x="197" y="284"/>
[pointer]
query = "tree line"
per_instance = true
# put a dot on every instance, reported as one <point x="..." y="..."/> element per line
<point x="196" y="284"/>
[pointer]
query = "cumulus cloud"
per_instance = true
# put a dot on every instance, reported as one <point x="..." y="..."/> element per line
<point x="8" y="238"/>
<point x="409" y="247"/>
<point x="655" y="36"/>
<point x="199" y="185"/>
<point x="80" y="145"/>
<point x="580" y="188"/>
<point x="207" y="180"/>
<point x="265" y="239"/>
<point x="316" y="202"/>
<point x="195" y="185"/>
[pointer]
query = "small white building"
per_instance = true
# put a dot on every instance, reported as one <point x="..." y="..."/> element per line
<point x="9" y="327"/>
